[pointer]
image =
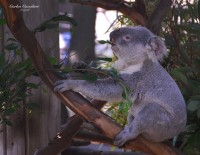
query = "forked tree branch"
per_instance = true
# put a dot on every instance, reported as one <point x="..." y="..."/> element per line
<point x="88" y="151"/>
<point x="141" y="8"/>
<point x="155" y="20"/>
<point x="119" y="5"/>
<point x="73" y="100"/>
<point x="136" y="11"/>
<point x="63" y="139"/>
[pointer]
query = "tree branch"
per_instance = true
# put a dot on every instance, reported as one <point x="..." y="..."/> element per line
<point x="64" y="138"/>
<point x="141" y="8"/>
<point x="155" y="20"/>
<point x="120" y="6"/>
<point x="73" y="100"/>
<point x="95" y="137"/>
<point x="136" y="13"/>
<point x="88" y="151"/>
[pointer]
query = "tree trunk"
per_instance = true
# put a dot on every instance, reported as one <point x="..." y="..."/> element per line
<point x="82" y="43"/>
<point x="44" y="123"/>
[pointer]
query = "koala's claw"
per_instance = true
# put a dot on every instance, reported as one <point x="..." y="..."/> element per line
<point x="59" y="89"/>
<point x="59" y="86"/>
<point x="58" y="82"/>
<point x="121" y="138"/>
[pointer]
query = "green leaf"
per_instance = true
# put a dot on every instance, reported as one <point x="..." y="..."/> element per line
<point x="196" y="90"/>
<point x="40" y="29"/>
<point x="65" y="18"/>
<point x="89" y="77"/>
<point x="197" y="63"/>
<point x="194" y="140"/>
<point x="169" y="40"/>
<point x="198" y="113"/>
<point x="2" y="21"/>
<point x="121" y="106"/>
<point x="11" y="46"/>
<point x="33" y="106"/>
<point x="2" y="59"/>
<point x="124" y="95"/>
<point x="32" y="85"/>
<point x="54" y="22"/>
<point x="52" y="60"/>
<point x="199" y="9"/>
<point x="113" y="73"/>
<point x="193" y="105"/>
<point x="179" y="76"/>
<point x="51" y="25"/>
<point x="7" y="122"/>
<point x="192" y="127"/>
<point x="104" y="42"/>
<point x="184" y="54"/>
<point x="105" y="59"/>
<point x="195" y="97"/>
<point x="11" y="39"/>
<point x="9" y="111"/>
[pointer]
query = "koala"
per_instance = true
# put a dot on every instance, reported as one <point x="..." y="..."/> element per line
<point x="158" y="110"/>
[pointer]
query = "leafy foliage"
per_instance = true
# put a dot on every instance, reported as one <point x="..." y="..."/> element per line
<point x="181" y="30"/>
<point x="14" y="87"/>
<point x="2" y="21"/>
<point x="119" y="110"/>
<point x="14" y="71"/>
<point x="54" y="22"/>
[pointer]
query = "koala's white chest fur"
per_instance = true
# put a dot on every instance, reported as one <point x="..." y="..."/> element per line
<point x="131" y="69"/>
<point x="124" y="68"/>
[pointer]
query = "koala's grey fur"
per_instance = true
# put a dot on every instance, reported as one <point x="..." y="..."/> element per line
<point x="158" y="111"/>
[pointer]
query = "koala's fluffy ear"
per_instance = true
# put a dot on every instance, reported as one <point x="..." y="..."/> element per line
<point x="157" y="48"/>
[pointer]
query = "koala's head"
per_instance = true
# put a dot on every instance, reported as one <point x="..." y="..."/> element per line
<point x="135" y="44"/>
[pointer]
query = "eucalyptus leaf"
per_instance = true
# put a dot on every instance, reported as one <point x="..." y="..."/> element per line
<point x="105" y="59"/>
<point x="89" y="77"/>
<point x="193" y="105"/>
<point x="52" y="60"/>
<point x="11" y="39"/>
<point x="179" y="76"/>
<point x="51" y="25"/>
<point x="191" y="127"/>
<point x="2" y="21"/>
<point x="104" y="42"/>
<point x="32" y="85"/>
<point x="54" y="22"/>
<point x="13" y="84"/>
<point x="199" y="9"/>
<point x="11" y="46"/>
<point x="7" y="122"/>
<point x="198" y="113"/>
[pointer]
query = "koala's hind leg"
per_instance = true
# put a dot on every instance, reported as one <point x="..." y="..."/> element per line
<point x="130" y="131"/>
<point x="152" y="122"/>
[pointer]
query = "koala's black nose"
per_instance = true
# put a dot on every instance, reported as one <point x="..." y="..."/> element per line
<point x="114" y="35"/>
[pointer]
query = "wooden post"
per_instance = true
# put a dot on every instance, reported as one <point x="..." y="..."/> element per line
<point x="32" y="131"/>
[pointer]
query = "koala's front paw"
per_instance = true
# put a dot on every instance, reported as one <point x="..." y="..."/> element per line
<point x="63" y="85"/>
<point x="79" y="67"/>
<point x="122" y="138"/>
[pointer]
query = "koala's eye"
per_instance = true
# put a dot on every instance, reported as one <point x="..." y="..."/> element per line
<point x="127" y="37"/>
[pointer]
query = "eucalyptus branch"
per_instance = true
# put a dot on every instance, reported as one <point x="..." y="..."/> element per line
<point x="120" y="6"/>
<point x="141" y="8"/>
<point x="154" y="21"/>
